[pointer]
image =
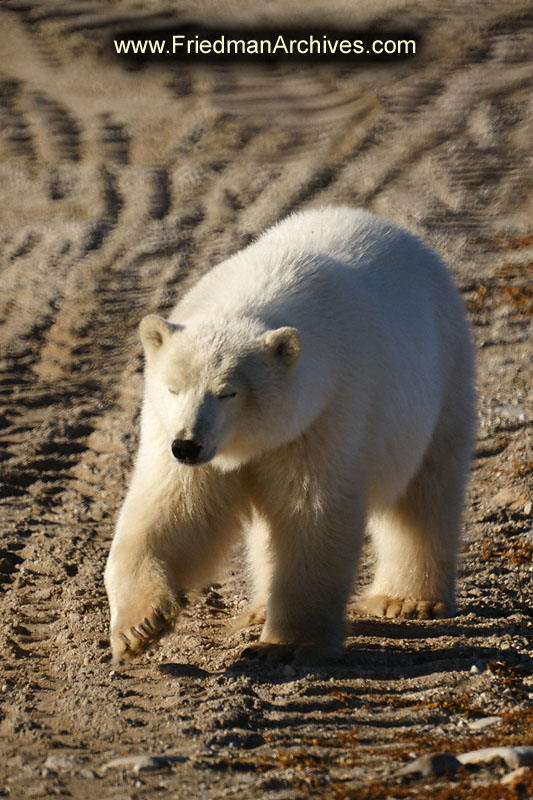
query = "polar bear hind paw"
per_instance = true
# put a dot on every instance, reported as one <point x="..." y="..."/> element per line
<point x="381" y="605"/>
<point x="276" y="654"/>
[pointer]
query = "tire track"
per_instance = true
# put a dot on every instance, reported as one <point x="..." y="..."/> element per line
<point x="59" y="127"/>
<point x="115" y="141"/>
<point x="14" y="125"/>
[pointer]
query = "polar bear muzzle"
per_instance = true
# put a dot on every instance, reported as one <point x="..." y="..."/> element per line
<point x="187" y="451"/>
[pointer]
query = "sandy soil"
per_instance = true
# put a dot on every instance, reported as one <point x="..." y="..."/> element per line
<point x="119" y="187"/>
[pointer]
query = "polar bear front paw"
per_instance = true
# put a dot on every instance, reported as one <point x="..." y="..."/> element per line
<point x="380" y="605"/>
<point x="135" y="634"/>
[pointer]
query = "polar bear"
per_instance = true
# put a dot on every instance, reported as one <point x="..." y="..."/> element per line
<point x="318" y="380"/>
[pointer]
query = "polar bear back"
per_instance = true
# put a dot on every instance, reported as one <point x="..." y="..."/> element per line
<point x="331" y="273"/>
<point x="289" y="263"/>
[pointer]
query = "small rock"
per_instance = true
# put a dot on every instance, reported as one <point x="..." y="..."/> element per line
<point x="474" y="669"/>
<point x="510" y="412"/>
<point x="62" y="764"/>
<point x="138" y="763"/>
<point x="484" y="722"/>
<point x="513" y="756"/>
<point x="142" y="763"/>
<point x="89" y="773"/>
<point x="515" y="775"/>
<point x="38" y="790"/>
<point x="431" y="765"/>
<point x="511" y="498"/>
<point x="214" y="599"/>
<point x="42" y="594"/>
<point x="528" y="537"/>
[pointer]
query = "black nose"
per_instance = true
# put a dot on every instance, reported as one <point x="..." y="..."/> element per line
<point x="186" y="450"/>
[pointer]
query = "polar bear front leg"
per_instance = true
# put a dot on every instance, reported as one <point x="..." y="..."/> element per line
<point x="143" y="597"/>
<point x="315" y="554"/>
<point x="175" y="526"/>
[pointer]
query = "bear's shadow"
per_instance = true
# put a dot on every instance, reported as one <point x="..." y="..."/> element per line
<point x="412" y="655"/>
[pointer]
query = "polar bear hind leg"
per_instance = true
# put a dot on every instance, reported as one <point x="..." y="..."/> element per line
<point x="416" y="541"/>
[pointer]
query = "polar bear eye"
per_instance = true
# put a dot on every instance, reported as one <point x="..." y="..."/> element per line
<point x="226" y="395"/>
<point x="172" y="391"/>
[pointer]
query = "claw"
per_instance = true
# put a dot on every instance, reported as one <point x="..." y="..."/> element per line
<point x="142" y="636"/>
<point x="137" y="634"/>
<point x="248" y="653"/>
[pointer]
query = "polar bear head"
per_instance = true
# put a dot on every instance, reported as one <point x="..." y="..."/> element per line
<point x="221" y="390"/>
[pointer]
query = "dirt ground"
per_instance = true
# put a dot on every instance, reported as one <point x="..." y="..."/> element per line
<point x="120" y="186"/>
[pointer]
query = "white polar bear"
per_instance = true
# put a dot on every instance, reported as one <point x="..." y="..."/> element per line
<point x="319" y="378"/>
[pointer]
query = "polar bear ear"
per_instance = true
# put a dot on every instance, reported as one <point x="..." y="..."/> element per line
<point x="154" y="332"/>
<point x="285" y="344"/>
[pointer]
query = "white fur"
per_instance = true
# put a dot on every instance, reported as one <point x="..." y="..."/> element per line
<point x="364" y="411"/>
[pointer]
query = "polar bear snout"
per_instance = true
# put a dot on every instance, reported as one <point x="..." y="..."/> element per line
<point x="187" y="451"/>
